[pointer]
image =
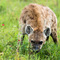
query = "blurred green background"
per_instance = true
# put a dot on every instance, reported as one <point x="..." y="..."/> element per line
<point x="10" y="11"/>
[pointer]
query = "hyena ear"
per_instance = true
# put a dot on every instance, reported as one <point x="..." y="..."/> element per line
<point x="47" y="31"/>
<point x="28" y="30"/>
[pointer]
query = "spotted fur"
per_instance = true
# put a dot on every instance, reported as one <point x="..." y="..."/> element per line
<point x="40" y="18"/>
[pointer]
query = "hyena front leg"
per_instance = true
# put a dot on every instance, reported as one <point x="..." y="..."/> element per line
<point x="23" y="34"/>
<point x="22" y="38"/>
<point x="54" y="35"/>
<point x="47" y="38"/>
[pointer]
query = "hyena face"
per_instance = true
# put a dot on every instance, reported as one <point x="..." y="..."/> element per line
<point x="37" y="38"/>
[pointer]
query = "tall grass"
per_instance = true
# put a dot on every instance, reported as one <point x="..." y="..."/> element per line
<point x="10" y="11"/>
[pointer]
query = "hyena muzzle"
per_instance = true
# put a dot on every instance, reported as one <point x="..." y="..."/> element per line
<point x="38" y="22"/>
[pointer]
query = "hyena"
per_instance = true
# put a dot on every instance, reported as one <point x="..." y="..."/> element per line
<point x="38" y="22"/>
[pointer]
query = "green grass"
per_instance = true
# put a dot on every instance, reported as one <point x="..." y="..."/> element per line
<point x="10" y="11"/>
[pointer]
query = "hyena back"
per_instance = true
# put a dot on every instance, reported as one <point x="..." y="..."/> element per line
<point x="38" y="22"/>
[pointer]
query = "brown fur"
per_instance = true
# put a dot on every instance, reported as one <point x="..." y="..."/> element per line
<point x="39" y="18"/>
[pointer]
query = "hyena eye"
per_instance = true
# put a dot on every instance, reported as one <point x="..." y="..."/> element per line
<point x="40" y="42"/>
<point x="32" y="41"/>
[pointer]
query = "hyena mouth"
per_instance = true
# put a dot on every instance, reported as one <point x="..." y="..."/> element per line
<point x="36" y="51"/>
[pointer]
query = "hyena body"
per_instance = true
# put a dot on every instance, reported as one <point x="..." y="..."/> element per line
<point x="38" y="22"/>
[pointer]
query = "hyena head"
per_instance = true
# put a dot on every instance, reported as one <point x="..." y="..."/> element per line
<point x="37" y="38"/>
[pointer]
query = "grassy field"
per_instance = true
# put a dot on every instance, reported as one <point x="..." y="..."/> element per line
<point x="10" y="11"/>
